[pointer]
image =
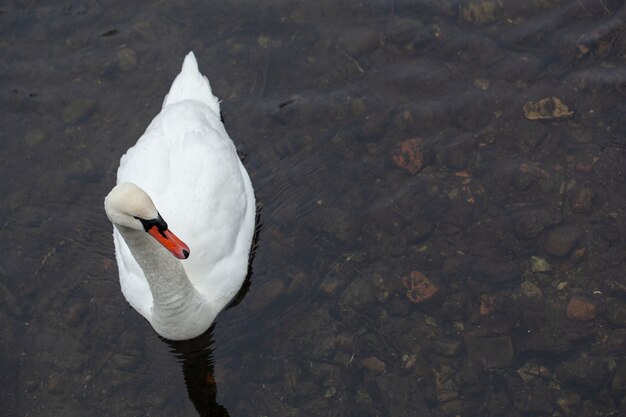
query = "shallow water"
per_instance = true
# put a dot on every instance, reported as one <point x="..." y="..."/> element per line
<point x="382" y="138"/>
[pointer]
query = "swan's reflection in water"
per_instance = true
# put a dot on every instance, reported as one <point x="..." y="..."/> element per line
<point x="196" y="357"/>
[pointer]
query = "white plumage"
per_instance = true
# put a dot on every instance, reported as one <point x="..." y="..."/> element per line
<point x="188" y="165"/>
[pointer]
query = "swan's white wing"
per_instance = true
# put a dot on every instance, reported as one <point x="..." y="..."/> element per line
<point x="189" y="166"/>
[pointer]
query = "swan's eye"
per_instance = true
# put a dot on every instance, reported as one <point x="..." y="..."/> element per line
<point x="150" y="223"/>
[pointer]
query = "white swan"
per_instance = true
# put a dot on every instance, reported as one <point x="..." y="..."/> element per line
<point x="185" y="171"/>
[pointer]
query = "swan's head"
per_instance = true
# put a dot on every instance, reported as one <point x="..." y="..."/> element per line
<point x="127" y="205"/>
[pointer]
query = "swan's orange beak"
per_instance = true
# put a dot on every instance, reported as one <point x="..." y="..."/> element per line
<point x="177" y="247"/>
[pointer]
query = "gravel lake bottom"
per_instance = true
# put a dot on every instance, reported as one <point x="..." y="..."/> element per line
<point x="441" y="193"/>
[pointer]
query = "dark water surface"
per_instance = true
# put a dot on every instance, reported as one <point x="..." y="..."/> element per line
<point x="443" y="207"/>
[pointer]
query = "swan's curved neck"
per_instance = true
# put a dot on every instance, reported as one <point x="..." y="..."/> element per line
<point x="175" y="300"/>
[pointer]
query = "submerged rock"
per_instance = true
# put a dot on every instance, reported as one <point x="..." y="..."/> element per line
<point x="585" y="165"/>
<point x="460" y="213"/>
<point x="77" y="110"/>
<point x="582" y="200"/>
<point x="591" y="372"/>
<point x="616" y="312"/>
<point x="532" y="398"/>
<point x="531" y="370"/>
<point x="562" y="239"/>
<point x="529" y="289"/>
<point x="580" y="308"/>
<point x="84" y="170"/>
<point x="56" y="384"/>
<point x="494" y="271"/>
<point x="619" y="378"/>
<point x="495" y="352"/>
<point x="617" y="341"/>
<point x="568" y="403"/>
<point x="482" y="83"/>
<point x="447" y="347"/>
<point x="457" y="306"/>
<point x="358" y="40"/>
<point x="480" y="11"/>
<point x="418" y="287"/>
<point x="405" y="31"/>
<point x="489" y="303"/>
<point x="410" y="156"/>
<point x="479" y="164"/>
<point x="358" y="295"/>
<point x="539" y="264"/>
<point x="528" y="222"/>
<point x="329" y="285"/>
<point x="547" y="108"/>
<point x="266" y="294"/>
<point x="457" y="264"/>
<point x="557" y="335"/>
<point x="126" y="59"/>
<point x="374" y="364"/>
<point x="401" y="396"/>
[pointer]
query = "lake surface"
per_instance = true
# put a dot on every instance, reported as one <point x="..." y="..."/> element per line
<point x="442" y="207"/>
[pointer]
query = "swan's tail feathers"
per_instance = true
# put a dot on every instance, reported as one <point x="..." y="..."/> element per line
<point x="190" y="84"/>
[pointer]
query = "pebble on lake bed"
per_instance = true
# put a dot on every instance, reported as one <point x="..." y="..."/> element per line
<point x="77" y="110"/>
<point x="547" y="108"/>
<point x="374" y="364"/>
<point x="418" y="287"/>
<point x="267" y="293"/>
<point x="126" y="59"/>
<point x="480" y="11"/>
<point x="410" y="155"/>
<point x="56" y="383"/>
<point x="330" y="391"/>
<point x="582" y="200"/>
<point x="568" y="403"/>
<point x="329" y="285"/>
<point x="580" y="308"/>
<point x="530" y="290"/>
<point x="487" y="304"/>
<point x="494" y="352"/>
<point x="409" y="361"/>
<point x="561" y="240"/>
<point x="75" y="313"/>
<point x="585" y="165"/>
<point x="481" y="83"/>
<point x="539" y="264"/>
